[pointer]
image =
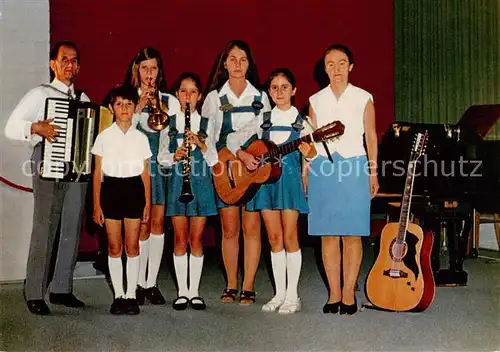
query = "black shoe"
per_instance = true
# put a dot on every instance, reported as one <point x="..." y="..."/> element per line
<point x="140" y="295"/>
<point x="197" y="303"/>
<point x="154" y="295"/>
<point x="349" y="309"/>
<point x="38" y="306"/>
<point x="118" y="306"/>
<point x="180" y="303"/>
<point x="331" y="308"/>
<point x="132" y="308"/>
<point x="66" y="299"/>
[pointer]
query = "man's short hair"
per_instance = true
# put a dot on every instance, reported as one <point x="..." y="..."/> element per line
<point x="54" y="51"/>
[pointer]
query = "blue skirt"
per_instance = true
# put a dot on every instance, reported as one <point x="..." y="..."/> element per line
<point x="158" y="173"/>
<point x="286" y="193"/>
<point x="339" y="196"/>
<point x="202" y="188"/>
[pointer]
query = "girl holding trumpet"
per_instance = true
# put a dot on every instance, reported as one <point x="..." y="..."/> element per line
<point x="184" y="142"/>
<point x="145" y="73"/>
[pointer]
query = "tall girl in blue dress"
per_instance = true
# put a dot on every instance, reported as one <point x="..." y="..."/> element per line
<point x="188" y="219"/>
<point x="234" y="103"/>
<point x="281" y="202"/>
<point x="339" y="193"/>
<point x="146" y="74"/>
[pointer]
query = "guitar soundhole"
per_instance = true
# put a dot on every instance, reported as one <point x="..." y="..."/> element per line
<point x="398" y="250"/>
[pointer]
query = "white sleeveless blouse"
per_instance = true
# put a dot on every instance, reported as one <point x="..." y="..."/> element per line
<point x="349" y="110"/>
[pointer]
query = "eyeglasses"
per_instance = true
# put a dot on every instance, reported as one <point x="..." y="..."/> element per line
<point x="65" y="61"/>
<point x="282" y="88"/>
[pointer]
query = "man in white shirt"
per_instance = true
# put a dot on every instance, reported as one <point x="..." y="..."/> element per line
<point x="54" y="201"/>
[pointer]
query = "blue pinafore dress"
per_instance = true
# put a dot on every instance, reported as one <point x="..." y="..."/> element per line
<point x="202" y="186"/>
<point x="157" y="172"/>
<point x="227" y="127"/>
<point x="288" y="191"/>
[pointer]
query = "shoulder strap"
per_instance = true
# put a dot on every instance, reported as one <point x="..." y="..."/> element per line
<point x="224" y="100"/>
<point x="257" y="104"/>
<point x="45" y="85"/>
<point x="172" y="134"/>
<point x="172" y="126"/>
<point x="298" y="125"/>
<point x="267" y="121"/>
<point x="164" y="99"/>
<point x="202" y="132"/>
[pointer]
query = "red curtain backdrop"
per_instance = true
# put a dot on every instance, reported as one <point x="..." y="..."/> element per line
<point x="191" y="34"/>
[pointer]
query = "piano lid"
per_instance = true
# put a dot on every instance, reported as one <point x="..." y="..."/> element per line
<point x="480" y="119"/>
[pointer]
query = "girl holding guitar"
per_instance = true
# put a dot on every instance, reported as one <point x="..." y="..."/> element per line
<point x="234" y="104"/>
<point x="145" y="73"/>
<point x="281" y="202"/>
<point x="188" y="219"/>
<point x="339" y="193"/>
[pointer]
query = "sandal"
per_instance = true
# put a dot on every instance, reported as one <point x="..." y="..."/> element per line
<point x="247" y="297"/>
<point x="229" y="295"/>
<point x="197" y="303"/>
<point x="180" y="303"/>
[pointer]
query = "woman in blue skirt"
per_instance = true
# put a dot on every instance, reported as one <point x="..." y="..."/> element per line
<point x="281" y="202"/>
<point x="341" y="178"/>
<point x="146" y="74"/>
<point x="188" y="219"/>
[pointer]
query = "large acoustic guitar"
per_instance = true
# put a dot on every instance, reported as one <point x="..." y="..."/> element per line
<point x="401" y="278"/>
<point x="235" y="184"/>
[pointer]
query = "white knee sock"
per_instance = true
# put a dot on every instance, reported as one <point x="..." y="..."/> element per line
<point x="155" y="253"/>
<point x="279" y="262"/>
<point x="181" y="271"/>
<point x="132" y="275"/>
<point x="195" y="268"/>
<point x="143" y="262"/>
<point x="116" y="272"/>
<point x="293" y="266"/>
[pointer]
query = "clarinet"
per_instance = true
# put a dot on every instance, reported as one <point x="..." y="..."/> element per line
<point x="186" y="193"/>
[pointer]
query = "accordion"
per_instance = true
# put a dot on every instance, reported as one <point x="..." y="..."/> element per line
<point x="68" y="158"/>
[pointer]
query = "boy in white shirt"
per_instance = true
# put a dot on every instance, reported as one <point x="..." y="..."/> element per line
<point x="122" y="193"/>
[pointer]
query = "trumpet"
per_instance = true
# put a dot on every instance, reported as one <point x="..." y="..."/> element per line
<point x="158" y="119"/>
<point x="186" y="193"/>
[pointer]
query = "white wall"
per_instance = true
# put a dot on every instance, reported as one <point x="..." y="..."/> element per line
<point x="24" y="52"/>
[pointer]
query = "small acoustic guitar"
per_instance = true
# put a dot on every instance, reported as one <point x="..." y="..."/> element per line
<point x="235" y="184"/>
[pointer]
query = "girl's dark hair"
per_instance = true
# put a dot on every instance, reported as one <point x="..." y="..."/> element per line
<point x="281" y="72"/>
<point x="340" y="47"/>
<point x="188" y="75"/>
<point x="287" y="73"/>
<point x="125" y="91"/>
<point x="193" y="77"/>
<point x="219" y="74"/>
<point x="132" y="76"/>
<point x="54" y="51"/>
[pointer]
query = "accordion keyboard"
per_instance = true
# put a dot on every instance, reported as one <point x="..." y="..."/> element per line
<point x="58" y="153"/>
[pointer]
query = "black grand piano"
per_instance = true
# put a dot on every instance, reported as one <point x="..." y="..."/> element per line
<point x="460" y="172"/>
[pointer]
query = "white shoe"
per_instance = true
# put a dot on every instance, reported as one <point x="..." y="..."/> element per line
<point x="273" y="305"/>
<point x="290" y="307"/>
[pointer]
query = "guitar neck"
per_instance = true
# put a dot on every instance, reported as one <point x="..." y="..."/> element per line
<point x="287" y="148"/>
<point x="404" y="216"/>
